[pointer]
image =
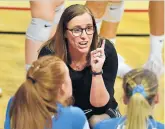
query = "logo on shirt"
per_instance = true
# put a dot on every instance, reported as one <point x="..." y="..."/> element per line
<point x="87" y="111"/>
<point x="47" y="25"/>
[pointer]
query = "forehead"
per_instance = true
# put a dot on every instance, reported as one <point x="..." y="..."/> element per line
<point x="80" y="20"/>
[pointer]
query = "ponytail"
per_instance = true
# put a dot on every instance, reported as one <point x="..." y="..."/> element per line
<point x="137" y="112"/>
<point x="28" y="110"/>
<point x="140" y="87"/>
<point x="35" y="101"/>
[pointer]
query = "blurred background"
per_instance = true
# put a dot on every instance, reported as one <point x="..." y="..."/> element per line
<point x="132" y="43"/>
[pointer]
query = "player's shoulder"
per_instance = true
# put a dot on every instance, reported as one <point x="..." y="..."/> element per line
<point x="158" y="125"/>
<point x="76" y="112"/>
<point x="111" y="123"/>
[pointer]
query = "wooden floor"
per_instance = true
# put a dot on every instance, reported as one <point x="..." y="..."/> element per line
<point x="134" y="49"/>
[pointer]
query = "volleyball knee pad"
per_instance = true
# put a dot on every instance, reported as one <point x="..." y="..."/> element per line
<point x="114" y="11"/>
<point x="39" y="30"/>
<point x="58" y="12"/>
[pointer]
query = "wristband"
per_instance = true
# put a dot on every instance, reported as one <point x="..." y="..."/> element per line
<point x="97" y="73"/>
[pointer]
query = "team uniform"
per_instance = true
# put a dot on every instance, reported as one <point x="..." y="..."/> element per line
<point x="118" y="123"/>
<point x="81" y="82"/>
<point x="66" y="118"/>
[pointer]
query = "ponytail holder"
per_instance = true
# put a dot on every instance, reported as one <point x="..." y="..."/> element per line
<point x="139" y="89"/>
<point x="31" y="79"/>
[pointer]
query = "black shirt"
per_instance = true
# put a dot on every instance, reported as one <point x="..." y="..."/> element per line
<point x="81" y="81"/>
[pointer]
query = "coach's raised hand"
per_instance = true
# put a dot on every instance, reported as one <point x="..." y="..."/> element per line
<point x="98" y="58"/>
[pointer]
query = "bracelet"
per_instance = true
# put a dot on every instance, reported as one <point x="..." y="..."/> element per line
<point x="97" y="73"/>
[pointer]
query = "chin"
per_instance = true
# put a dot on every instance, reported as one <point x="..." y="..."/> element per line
<point x="84" y="50"/>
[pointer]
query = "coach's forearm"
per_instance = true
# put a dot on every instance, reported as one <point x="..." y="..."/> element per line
<point x="99" y="95"/>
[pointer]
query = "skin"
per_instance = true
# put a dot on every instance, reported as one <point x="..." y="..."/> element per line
<point x="65" y="91"/>
<point x="79" y="52"/>
<point x="98" y="9"/>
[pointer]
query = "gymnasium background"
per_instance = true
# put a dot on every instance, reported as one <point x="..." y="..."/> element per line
<point x="132" y="44"/>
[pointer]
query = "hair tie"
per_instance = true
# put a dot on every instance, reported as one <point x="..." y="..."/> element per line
<point x="31" y="79"/>
<point x="139" y="89"/>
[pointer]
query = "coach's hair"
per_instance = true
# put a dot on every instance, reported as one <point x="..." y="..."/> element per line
<point x="35" y="101"/>
<point x="139" y="103"/>
<point x="58" y="44"/>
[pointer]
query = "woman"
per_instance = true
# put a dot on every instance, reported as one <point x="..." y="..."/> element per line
<point x="43" y="100"/>
<point x="92" y="69"/>
<point x="140" y="94"/>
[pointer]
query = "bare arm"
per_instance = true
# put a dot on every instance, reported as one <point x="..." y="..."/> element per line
<point x="99" y="95"/>
<point x="102" y="86"/>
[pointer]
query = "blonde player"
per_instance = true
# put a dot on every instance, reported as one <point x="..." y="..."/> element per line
<point x="140" y="95"/>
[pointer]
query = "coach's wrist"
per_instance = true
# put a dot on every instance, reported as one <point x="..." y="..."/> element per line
<point x="97" y="73"/>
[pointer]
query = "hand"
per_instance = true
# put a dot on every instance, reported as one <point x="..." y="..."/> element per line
<point x="98" y="58"/>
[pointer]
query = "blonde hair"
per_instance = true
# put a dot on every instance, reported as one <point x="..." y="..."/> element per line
<point x="35" y="100"/>
<point x="139" y="105"/>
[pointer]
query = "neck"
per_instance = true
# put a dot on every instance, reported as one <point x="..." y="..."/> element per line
<point x="61" y="100"/>
<point x="81" y="59"/>
<point x="77" y="57"/>
<point x="78" y="60"/>
<point x="65" y="101"/>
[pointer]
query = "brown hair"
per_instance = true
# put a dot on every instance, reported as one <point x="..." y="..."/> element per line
<point x="35" y="100"/>
<point x="58" y="43"/>
<point x="140" y="103"/>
